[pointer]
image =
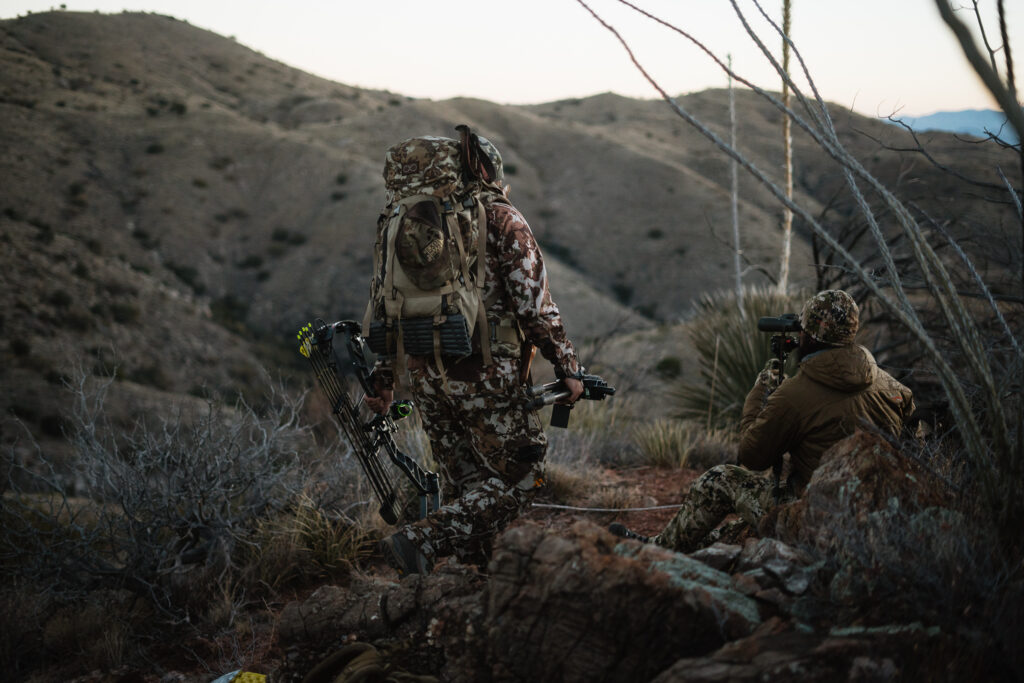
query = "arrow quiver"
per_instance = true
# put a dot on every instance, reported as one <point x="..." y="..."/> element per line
<point x="366" y="437"/>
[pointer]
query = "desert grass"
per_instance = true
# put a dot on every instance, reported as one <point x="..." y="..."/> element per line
<point x="306" y="543"/>
<point x="673" y="443"/>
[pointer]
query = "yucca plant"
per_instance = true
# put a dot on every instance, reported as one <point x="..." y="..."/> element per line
<point x="731" y="351"/>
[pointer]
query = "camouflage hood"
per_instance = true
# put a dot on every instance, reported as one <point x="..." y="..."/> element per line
<point x="845" y="368"/>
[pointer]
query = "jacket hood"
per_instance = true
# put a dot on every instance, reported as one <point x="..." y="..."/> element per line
<point x="846" y="368"/>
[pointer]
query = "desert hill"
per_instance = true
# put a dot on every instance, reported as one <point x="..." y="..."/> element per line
<point x="178" y="205"/>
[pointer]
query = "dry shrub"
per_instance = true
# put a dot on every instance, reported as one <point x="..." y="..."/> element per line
<point x="681" y="443"/>
<point x="664" y="442"/>
<point x="23" y="611"/>
<point x="304" y="543"/>
<point x="175" y="509"/>
<point x="567" y="484"/>
<point x="101" y="631"/>
<point x="614" y="497"/>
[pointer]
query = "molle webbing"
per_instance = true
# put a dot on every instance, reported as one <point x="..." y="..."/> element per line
<point x="419" y="335"/>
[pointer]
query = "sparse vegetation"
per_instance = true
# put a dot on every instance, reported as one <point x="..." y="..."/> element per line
<point x="682" y="443"/>
<point x="45" y="235"/>
<point x="288" y="237"/>
<point x="179" y="511"/>
<point x="731" y="353"/>
<point x="95" y="561"/>
<point x="623" y="292"/>
<point x="187" y="274"/>
<point x="145" y="240"/>
<point x="151" y="374"/>
<point x="19" y="347"/>
<point x="669" y="368"/>
<point x="235" y="213"/>
<point x="78" y="319"/>
<point x="124" y="313"/>
<point x="60" y="298"/>
<point x="221" y="163"/>
<point x="251" y="261"/>
<point x="230" y="312"/>
<point x="560" y="251"/>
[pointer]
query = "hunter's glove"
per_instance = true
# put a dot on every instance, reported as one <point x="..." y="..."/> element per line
<point x="771" y="375"/>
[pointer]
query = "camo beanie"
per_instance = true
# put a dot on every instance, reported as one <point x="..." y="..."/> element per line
<point x="831" y="317"/>
<point x="422" y="165"/>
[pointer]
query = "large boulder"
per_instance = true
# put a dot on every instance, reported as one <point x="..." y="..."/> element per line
<point x="893" y="547"/>
<point x="587" y="606"/>
<point x="857" y="477"/>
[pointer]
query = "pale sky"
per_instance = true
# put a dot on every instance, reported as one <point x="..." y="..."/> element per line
<point x="876" y="56"/>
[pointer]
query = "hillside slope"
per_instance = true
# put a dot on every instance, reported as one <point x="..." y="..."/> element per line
<point x="179" y="204"/>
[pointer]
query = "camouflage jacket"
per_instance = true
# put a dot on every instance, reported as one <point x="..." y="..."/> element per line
<point x="823" y="403"/>
<point x="516" y="285"/>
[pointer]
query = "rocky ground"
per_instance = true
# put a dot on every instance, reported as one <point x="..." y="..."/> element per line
<point x="805" y="596"/>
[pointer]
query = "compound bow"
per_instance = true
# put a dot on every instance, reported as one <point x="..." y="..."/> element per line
<point x="366" y="437"/>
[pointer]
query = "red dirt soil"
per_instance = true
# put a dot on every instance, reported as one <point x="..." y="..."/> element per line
<point x="653" y="487"/>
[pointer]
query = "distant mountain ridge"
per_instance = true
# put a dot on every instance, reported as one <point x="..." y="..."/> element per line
<point x="976" y="122"/>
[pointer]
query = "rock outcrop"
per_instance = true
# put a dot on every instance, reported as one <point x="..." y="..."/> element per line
<point x="575" y="607"/>
<point x="585" y="607"/>
<point x="857" y="477"/>
<point x="823" y="602"/>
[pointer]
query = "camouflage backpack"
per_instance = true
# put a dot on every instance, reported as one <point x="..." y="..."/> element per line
<point x="429" y="258"/>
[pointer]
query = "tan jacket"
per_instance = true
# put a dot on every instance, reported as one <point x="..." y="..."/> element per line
<point x="823" y="403"/>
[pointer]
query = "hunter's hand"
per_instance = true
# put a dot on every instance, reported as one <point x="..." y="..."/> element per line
<point x="771" y="375"/>
<point x="381" y="403"/>
<point x="575" y="388"/>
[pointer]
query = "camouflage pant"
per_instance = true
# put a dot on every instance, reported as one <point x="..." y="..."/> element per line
<point x="489" y="448"/>
<point x="722" y="490"/>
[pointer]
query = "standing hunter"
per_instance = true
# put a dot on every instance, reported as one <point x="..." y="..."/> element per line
<point x="459" y="300"/>
<point x="837" y="387"/>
